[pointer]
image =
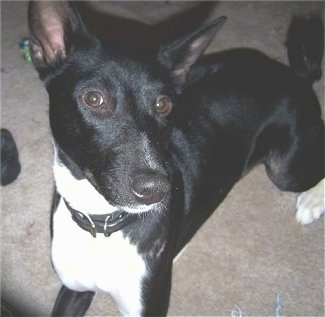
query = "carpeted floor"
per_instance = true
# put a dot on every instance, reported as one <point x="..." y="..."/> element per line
<point x="248" y="251"/>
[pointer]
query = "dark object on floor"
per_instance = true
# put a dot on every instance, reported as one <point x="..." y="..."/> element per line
<point x="8" y="310"/>
<point x="10" y="166"/>
<point x="305" y="52"/>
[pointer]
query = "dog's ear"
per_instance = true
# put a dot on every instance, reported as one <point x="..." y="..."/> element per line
<point x="52" y="25"/>
<point x="180" y="55"/>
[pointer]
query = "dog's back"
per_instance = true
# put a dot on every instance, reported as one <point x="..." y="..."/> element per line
<point x="257" y="111"/>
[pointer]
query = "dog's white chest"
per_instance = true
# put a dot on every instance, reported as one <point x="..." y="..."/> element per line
<point x="110" y="264"/>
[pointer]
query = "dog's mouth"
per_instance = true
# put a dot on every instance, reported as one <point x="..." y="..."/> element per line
<point x="137" y="209"/>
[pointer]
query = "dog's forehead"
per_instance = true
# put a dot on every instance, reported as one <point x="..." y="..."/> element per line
<point x="119" y="69"/>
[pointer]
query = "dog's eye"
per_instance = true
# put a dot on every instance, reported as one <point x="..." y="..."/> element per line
<point x="93" y="99"/>
<point x="163" y="105"/>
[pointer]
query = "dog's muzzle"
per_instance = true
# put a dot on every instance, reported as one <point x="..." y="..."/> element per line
<point x="149" y="187"/>
<point x="106" y="224"/>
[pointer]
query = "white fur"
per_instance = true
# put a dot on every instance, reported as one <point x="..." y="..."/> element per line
<point x="311" y="204"/>
<point x="110" y="264"/>
<point x="80" y="194"/>
<point x="140" y="208"/>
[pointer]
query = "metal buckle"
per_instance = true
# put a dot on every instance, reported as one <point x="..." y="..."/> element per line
<point x="92" y="225"/>
<point x="106" y="234"/>
<point x="109" y="222"/>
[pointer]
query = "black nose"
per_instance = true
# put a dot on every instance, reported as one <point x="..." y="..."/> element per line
<point x="149" y="187"/>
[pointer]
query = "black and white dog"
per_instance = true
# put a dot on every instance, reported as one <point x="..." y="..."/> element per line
<point x="148" y="143"/>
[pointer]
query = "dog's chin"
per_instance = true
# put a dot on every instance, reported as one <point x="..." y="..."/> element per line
<point x="138" y="209"/>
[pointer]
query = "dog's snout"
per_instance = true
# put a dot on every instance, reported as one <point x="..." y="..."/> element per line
<point x="149" y="187"/>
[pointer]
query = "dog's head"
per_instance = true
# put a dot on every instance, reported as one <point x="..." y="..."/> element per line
<point x="111" y="108"/>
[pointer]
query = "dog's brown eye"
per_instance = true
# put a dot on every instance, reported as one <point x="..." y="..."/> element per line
<point x="163" y="105"/>
<point x="93" y="99"/>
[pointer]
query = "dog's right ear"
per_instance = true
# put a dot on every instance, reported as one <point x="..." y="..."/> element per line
<point x="52" y="26"/>
<point x="180" y="55"/>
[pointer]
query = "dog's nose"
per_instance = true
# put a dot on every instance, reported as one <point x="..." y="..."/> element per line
<point x="149" y="187"/>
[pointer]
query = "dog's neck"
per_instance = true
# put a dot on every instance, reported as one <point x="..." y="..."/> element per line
<point x="105" y="223"/>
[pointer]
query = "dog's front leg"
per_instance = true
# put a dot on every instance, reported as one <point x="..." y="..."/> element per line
<point x="156" y="291"/>
<point x="72" y="303"/>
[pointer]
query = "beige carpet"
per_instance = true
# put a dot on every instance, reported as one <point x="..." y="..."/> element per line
<point x="251" y="248"/>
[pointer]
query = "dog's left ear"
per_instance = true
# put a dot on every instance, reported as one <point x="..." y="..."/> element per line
<point x="52" y="25"/>
<point x="180" y="55"/>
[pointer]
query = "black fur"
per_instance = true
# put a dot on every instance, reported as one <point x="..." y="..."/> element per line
<point x="230" y="112"/>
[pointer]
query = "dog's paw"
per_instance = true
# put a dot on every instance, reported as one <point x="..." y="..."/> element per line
<point x="311" y="204"/>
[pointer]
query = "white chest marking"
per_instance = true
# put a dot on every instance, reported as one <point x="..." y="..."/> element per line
<point x="80" y="194"/>
<point x="111" y="264"/>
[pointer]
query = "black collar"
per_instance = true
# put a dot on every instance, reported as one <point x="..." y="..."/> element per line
<point x="107" y="223"/>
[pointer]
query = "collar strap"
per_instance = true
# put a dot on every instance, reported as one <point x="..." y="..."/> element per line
<point x="107" y="223"/>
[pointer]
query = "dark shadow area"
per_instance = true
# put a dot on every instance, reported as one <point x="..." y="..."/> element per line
<point x="108" y="27"/>
<point x="9" y="308"/>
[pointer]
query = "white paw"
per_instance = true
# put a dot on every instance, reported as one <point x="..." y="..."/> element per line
<point x="311" y="204"/>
